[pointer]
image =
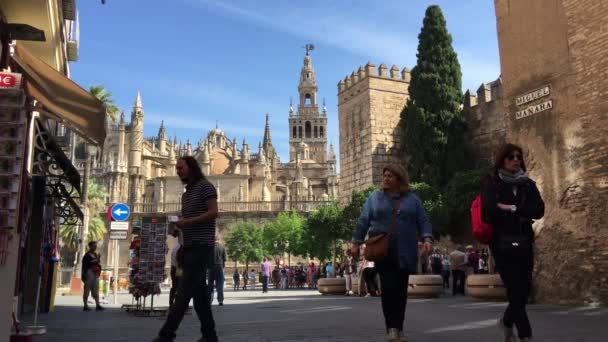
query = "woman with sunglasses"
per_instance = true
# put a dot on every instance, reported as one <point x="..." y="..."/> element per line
<point x="510" y="203"/>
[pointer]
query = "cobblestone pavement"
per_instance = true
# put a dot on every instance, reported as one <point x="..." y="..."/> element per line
<point x="302" y="315"/>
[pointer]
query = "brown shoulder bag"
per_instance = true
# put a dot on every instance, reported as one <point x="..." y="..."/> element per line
<point x="376" y="247"/>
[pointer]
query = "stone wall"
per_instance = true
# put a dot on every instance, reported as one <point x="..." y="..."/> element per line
<point x="484" y="113"/>
<point x="370" y="103"/>
<point x="560" y="45"/>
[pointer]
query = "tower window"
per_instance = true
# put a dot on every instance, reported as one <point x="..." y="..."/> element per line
<point x="307" y="100"/>
<point x="295" y="132"/>
<point x="308" y="129"/>
<point x="218" y="142"/>
<point x="316" y="132"/>
<point x="300" y="132"/>
<point x="321" y="132"/>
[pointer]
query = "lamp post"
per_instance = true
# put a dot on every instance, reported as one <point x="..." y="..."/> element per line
<point x="89" y="152"/>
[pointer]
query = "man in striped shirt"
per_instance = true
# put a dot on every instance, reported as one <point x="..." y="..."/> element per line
<point x="197" y="223"/>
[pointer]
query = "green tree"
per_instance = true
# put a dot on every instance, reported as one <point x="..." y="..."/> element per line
<point x="432" y="119"/>
<point x="325" y="231"/>
<point x="352" y="211"/>
<point x="105" y="97"/>
<point x="96" y="197"/>
<point x="244" y="243"/>
<point x="460" y="192"/>
<point x="284" y="235"/>
<point x="434" y="205"/>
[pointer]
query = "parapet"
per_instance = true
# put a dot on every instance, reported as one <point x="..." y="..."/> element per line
<point x="487" y="92"/>
<point x="369" y="70"/>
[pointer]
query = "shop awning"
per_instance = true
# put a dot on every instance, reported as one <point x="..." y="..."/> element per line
<point x="62" y="99"/>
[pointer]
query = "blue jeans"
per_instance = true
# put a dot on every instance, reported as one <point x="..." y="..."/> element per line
<point x="264" y="284"/>
<point x="216" y="279"/>
<point x="192" y="285"/>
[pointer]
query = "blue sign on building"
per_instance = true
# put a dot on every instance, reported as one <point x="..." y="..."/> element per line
<point x="120" y="212"/>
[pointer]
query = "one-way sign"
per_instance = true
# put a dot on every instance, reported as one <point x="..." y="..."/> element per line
<point x="120" y="212"/>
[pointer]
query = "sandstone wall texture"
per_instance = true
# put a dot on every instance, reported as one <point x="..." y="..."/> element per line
<point x="370" y="102"/>
<point x="484" y="113"/>
<point x="562" y="44"/>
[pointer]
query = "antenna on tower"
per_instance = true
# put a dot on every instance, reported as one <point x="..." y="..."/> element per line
<point x="309" y="47"/>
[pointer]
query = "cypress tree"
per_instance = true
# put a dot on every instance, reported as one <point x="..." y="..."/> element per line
<point x="432" y="119"/>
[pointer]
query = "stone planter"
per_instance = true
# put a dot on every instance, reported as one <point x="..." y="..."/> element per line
<point x="425" y="286"/>
<point x="332" y="286"/>
<point x="486" y="286"/>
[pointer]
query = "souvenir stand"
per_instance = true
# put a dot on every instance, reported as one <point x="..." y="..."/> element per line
<point x="148" y="252"/>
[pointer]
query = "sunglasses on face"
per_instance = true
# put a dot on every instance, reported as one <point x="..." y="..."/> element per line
<point x="514" y="156"/>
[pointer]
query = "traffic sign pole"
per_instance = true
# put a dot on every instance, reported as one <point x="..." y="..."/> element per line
<point x="116" y="254"/>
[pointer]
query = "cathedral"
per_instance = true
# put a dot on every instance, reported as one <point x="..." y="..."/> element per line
<point x="140" y="170"/>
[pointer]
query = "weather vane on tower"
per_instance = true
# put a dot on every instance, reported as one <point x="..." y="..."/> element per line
<point x="309" y="47"/>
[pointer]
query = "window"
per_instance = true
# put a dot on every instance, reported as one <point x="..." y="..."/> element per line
<point x="316" y="132"/>
<point x="321" y="131"/>
<point x="295" y="132"/>
<point x="307" y="100"/>
<point x="300" y="132"/>
<point x="218" y="141"/>
<point x="308" y="129"/>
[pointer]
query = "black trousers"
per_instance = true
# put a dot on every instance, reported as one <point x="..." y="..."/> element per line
<point x="394" y="282"/>
<point x="192" y="285"/>
<point x="445" y="274"/>
<point x="458" y="279"/>
<point x="369" y="276"/>
<point x="515" y="270"/>
<point x="174" y="284"/>
<point x="264" y="284"/>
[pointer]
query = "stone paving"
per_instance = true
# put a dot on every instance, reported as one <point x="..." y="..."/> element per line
<point x="302" y="315"/>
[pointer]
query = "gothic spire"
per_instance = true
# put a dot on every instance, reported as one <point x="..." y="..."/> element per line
<point x="122" y="117"/>
<point x="138" y="100"/>
<point x="162" y="133"/>
<point x="267" y="136"/>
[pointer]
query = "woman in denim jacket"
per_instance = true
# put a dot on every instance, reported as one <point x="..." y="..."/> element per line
<point x="412" y="224"/>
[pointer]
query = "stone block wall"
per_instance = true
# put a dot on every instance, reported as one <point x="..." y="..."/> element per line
<point x="561" y="44"/>
<point x="370" y="102"/>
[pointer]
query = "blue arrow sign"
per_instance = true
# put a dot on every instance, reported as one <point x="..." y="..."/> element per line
<point x="120" y="212"/>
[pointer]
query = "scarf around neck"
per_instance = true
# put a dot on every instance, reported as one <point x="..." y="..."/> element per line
<point x="516" y="178"/>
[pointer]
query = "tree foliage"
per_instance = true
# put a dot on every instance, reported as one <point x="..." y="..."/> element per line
<point x="96" y="197"/>
<point x="352" y="211"/>
<point x="105" y="97"/>
<point x="325" y="231"/>
<point x="284" y="234"/>
<point x="432" y="124"/>
<point x="244" y="243"/>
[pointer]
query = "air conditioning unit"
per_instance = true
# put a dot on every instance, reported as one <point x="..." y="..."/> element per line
<point x="69" y="9"/>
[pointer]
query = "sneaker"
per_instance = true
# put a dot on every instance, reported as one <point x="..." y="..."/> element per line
<point x="221" y="304"/>
<point x="86" y="308"/>
<point x="394" y="335"/>
<point x="99" y="308"/>
<point x="368" y="295"/>
<point x="508" y="334"/>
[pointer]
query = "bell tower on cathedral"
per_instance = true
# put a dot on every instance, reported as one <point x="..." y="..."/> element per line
<point x="308" y="126"/>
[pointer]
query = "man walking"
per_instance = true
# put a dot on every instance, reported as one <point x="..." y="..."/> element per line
<point x="458" y="262"/>
<point x="216" y="273"/>
<point x="350" y="269"/>
<point x="91" y="270"/>
<point x="265" y="275"/>
<point x="199" y="211"/>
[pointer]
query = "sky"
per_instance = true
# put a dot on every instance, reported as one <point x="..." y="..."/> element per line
<point x="198" y="63"/>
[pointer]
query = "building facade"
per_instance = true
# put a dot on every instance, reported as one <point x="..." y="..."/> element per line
<point x="553" y="68"/>
<point x="141" y="170"/>
<point x="370" y="102"/>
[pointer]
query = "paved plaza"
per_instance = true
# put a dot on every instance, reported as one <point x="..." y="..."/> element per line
<point x="302" y="315"/>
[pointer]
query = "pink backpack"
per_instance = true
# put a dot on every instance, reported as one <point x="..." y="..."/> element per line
<point x="482" y="231"/>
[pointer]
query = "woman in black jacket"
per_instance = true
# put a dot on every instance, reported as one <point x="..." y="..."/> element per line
<point x="510" y="203"/>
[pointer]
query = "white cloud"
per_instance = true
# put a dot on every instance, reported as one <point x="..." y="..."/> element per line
<point x="372" y="38"/>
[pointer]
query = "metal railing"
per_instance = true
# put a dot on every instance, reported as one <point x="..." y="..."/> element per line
<point x="256" y="206"/>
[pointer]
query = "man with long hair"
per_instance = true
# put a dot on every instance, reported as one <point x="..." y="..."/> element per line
<point x="197" y="223"/>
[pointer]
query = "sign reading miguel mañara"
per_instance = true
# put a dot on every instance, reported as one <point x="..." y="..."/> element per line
<point x="532" y="96"/>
